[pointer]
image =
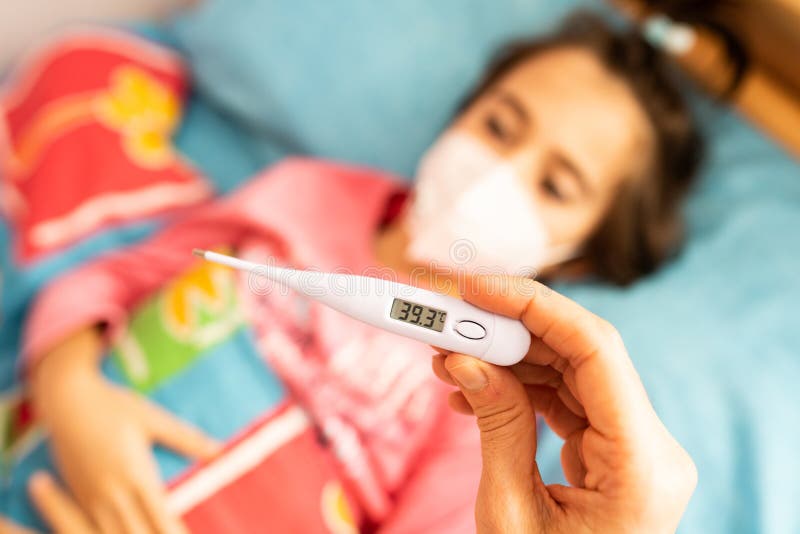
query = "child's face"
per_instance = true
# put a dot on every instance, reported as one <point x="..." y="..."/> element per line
<point x="573" y="132"/>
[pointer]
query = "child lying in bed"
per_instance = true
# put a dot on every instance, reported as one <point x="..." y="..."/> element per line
<point x="570" y="159"/>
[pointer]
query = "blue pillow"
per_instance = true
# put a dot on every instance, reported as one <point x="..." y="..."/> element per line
<point x="356" y="80"/>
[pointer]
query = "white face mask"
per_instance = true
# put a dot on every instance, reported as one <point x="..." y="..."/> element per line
<point x="471" y="210"/>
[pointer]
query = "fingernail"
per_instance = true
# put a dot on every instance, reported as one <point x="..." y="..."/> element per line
<point x="470" y="376"/>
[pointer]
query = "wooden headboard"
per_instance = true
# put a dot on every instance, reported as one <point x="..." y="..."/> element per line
<point x="767" y="31"/>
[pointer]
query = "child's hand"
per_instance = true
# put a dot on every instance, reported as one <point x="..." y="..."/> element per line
<point x="57" y="508"/>
<point x="102" y="438"/>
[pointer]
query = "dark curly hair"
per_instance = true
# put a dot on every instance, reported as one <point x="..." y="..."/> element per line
<point x="643" y="226"/>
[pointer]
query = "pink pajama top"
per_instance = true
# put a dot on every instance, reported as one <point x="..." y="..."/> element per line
<point x="413" y="464"/>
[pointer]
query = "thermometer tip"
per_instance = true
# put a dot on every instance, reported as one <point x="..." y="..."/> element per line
<point x="199" y="252"/>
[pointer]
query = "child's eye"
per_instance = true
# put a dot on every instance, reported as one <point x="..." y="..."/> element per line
<point x="496" y="128"/>
<point x="551" y="189"/>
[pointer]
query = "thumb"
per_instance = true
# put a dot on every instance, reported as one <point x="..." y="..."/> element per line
<point x="505" y="418"/>
<point x="177" y="435"/>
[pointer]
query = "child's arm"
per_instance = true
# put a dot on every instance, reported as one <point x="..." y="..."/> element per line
<point x="106" y="290"/>
<point x="102" y="437"/>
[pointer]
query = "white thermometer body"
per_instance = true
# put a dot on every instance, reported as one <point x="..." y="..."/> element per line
<point x="406" y="310"/>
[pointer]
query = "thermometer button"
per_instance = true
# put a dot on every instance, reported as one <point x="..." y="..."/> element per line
<point x="470" y="330"/>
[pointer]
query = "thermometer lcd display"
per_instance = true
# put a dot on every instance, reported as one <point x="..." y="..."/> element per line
<point x="417" y="314"/>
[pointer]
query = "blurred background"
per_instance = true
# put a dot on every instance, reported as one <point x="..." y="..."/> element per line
<point x="23" y="23"/>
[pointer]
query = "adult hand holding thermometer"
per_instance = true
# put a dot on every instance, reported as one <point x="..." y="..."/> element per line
<point x="409" y="311"/>
<point x="626" y="472"/>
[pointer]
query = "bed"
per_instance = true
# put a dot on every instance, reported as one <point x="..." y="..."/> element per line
<point x="714" y="334"/>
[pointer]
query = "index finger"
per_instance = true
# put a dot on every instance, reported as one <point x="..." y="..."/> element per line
<point x="607" y="383"/>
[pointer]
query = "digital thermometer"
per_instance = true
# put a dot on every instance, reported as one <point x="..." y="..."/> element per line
<point x="406" y="310"/>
